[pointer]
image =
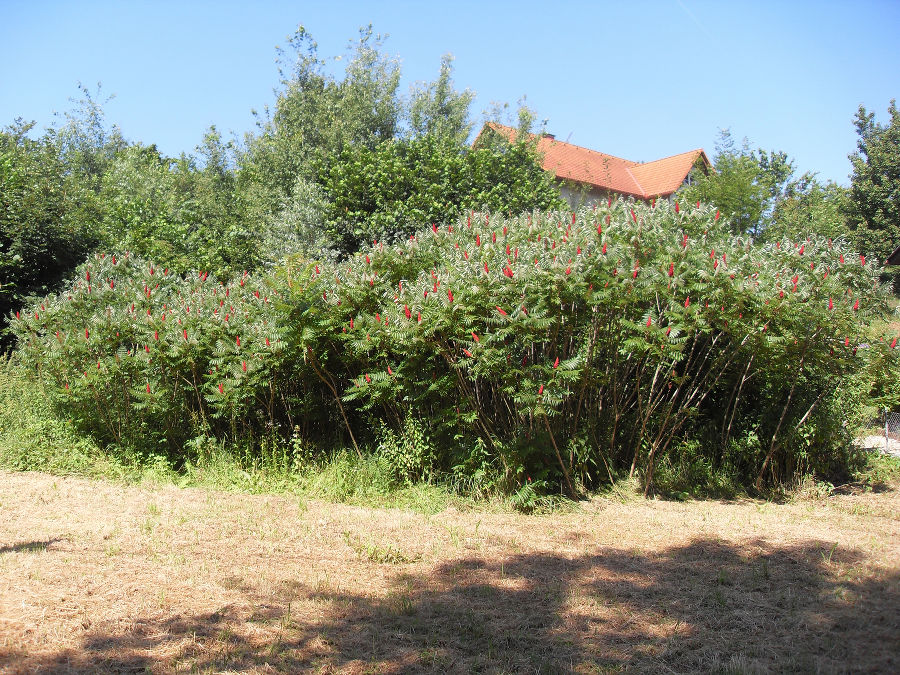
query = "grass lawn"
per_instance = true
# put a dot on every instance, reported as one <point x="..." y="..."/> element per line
<point x="99" y="576"/>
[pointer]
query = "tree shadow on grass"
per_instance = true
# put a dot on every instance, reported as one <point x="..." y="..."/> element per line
<point x="707" y="606"/>
<point x="28" y="546"/>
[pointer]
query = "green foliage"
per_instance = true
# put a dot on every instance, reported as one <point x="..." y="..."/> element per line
<point x="32" y="436"/>
<point x="875" y="183"/>
<point x="437" y="109"/>
<point x="143" y="358"/>
<point x="578" y="330"/>
<point x="555" y="348"/>
<point x="746" y="184"/>
<point x="409" y="452"/>
<point x="808" y="206"/>
<point x="386" y="192"/>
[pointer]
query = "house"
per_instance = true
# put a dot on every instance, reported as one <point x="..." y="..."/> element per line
<point x="587" y="176"/>
<point x="893" y="258"/>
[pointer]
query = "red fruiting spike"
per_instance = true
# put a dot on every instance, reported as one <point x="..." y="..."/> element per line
<point x="568" y="271"/>
<point x="385" y="321"/>
<point x="317" y="270"/>
<point x="368" y="379"/>
<point x="795" y="279"/>
<point x="148" y="387"/>
<point x="434" y="288"/>
<point x="475" y="337"/>
<point x="671" y="269"/>
<point x="367" y="259"/>
<point x="609" y="202"/>
<point x="634" y="274"/>
<point x="842" y="258"/>
<point x="86" y="334"/>
<point x="256" y="293"/>
<point x="856" y="305"/>
<point x="267" y="342"/>
<point x="524" y="311"/>
<point x="156" y="335"/>
<point x="608" y="218"/>
<point x="507" y="250"/>
<point x="715" y="264"/>
<point x="486" y="271"/>
<point x="147" y="348"/>
<point x="494" y="237"/>
<point x="466" y="253"/>
<point x="499" y="309"/>
<point x="112" y="284"/>
<point x="649" y="321"/>
<point x="712" y="254"/>
<point x="516" y="253"/>
<point x="894" y="343"/>
<point x="407" y="312"/>
<point x="324" y="295"/>
<point x="450" y="295"/>
<point x="698" y="203"/>
<point x="780" y="294"/>
<point x="676" y="207"/>
<point x="578" y="251"/>
<point x="687" y="301"/>
<point x="573" y="217"/>
<point x="184" y="332"/>
<point x="801" y="249"/>
<point x="238" y="340"/>
<point x="862" y="259"/>
<point x="478" y="240"/>
<point x="668" y="330"/>
<point x="221" y="388"/>
<point x="830" y="304"/>
<point x="846" y="342"/>
<point x="777" y="244"/>
<point x="390" y="372"/>
<point x="419" y="317"/>
<point x="717" y="214"/>
<point x="604" y="248"/>
<point x="467" y="353"/>
<point x="540" y="390"/>
<point x="556" y="363"/>
<point x="17" y="315"/>
<point x="244" y="366"/>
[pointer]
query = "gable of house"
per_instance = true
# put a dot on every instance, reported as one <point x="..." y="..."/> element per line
<point x="601" y="173"/>
<point x="893" y="258"/>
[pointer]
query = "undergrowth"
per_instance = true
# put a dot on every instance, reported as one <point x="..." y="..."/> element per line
<point x="34" y="437"/>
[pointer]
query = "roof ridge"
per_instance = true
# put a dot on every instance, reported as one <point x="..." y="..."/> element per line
<point x="637" y="182"/>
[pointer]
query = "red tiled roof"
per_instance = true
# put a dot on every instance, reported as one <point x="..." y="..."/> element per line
<point x="582" y="165"/>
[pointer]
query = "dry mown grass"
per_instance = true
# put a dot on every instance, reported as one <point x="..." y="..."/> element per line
<point x="101" y="577"/>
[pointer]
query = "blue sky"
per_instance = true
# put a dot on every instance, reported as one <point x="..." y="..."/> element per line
<point x="640" y="80"/>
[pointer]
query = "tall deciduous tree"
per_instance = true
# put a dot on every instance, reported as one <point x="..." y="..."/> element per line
<point x="875" y="183"/>
<point x="746" y="184"/>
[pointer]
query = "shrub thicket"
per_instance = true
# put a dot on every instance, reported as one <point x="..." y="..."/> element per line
<point x="555" y="349"/>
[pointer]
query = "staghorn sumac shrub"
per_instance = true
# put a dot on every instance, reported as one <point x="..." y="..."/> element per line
<point x="143" y="358"/>
<point x="562" y="348"/>
<point x="625" y="329"/>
